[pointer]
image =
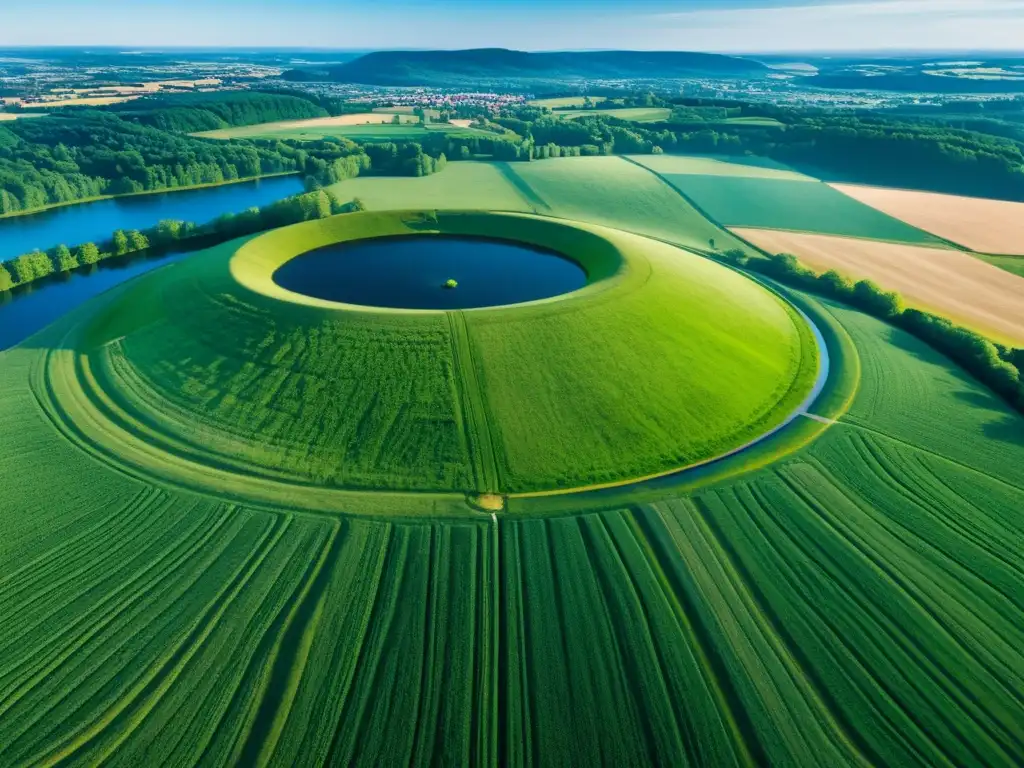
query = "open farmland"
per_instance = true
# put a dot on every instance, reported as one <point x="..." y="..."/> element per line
<point x="376" y="127"/>
<point x="462" y="186"/>
<point x="945" y="281"/>
<point x="988" y="226"/>
<point x="313" y="125"/>
<point x="774" y="203"/>
<point x="850" y="597"/>
<point x="594" y="189"/>
<point x="710" y="165"/>
<point x="566" y="101"/>
<point x="837" y="604"/>
<point x="633" y="114"/>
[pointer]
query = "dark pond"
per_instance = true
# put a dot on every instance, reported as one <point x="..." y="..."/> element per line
<point x="95" y="222"/>
<point x="35" y="306"/>
<point x="410" y="272"/>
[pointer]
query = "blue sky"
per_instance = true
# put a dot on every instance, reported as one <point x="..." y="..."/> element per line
<point x="709" y="25"/>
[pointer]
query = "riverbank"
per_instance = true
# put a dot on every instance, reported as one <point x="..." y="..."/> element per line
<point x="145" y="193"/>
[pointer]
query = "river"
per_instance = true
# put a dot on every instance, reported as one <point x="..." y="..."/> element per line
<point x="95" y="222"/>
<point x="33" y="308"/>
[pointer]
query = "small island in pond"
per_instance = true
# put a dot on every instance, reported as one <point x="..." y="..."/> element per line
<point x="451" y="283"/>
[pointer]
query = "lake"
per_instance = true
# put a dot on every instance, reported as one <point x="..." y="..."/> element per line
<point x="411" y="272"/>
<point x="95" y="222"/>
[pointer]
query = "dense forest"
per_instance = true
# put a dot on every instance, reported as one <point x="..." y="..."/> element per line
<point x="893" y="151"/>
<point x="144" y="145"/>
<point x="87" y="154"/>
<point x="191" y="113"/>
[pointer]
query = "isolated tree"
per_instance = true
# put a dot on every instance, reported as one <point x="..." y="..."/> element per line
<point x="356" y="205"/>
<point x="88" y="253"/>
<point x="711" y="242"/>
<point x="66" y="260"/>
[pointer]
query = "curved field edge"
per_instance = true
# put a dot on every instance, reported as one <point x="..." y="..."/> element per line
<point x="783" y="413"/>
<point x="112" y="422"/>
<point x="832" y="401"/>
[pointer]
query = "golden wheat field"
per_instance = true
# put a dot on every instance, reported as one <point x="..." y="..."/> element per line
<point x="949" y="282"/>
<point x="988" y="226"/>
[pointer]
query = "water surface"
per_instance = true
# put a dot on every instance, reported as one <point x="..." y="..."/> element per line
<point x="96" y="222"/>
<point x="410" y="272"/>
<point x="35" y="306"/>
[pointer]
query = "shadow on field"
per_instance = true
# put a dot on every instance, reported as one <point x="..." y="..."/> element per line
<point x="1009" y="428"/>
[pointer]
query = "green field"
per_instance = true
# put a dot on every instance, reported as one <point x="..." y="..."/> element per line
<point x="723" y="165"/>
<point x="771" y="203"/>
<point x="409" y="130"/>
<point x="566" y="101"/>
<point x="614" y="192"/>
<point x="634" y="114"/>
<point x="847" y="594"/>
<point x="1012" y="264"/>
<point x="261" y="383"/>
<point x="462" y="186"/>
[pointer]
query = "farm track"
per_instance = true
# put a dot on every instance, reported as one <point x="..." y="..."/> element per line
<point x="474" y="408"/>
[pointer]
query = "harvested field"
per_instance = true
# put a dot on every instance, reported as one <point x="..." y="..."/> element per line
<point x="948" y="282"/>
<point x="322" y="125"/>
<point x="988" y="226"/>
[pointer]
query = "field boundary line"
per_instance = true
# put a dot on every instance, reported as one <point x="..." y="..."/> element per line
<point x="474" y="406"/>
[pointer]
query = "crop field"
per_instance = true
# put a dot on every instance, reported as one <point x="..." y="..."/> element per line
<point x="183" y="582"/>
<point x="988" y="226"/>
<point x="462" y="186"/>
<point x="594" y="189"/>
<point x="10" y="116"/>
<point x="946" y="281"/>
<point x="329" y="127"/>
<point x="710" y="165"/>
<point x="268" y="130"/>
<point x="834" y="607"/>
<point x="566" y="101"/>
<point x="633" y="114"/>
<point x="1011" y="264"/>
<point x="771" y="203"/>
<point x="262" y="383"/>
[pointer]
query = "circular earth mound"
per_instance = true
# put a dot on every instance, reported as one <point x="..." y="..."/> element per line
<point x="211" y="374"/>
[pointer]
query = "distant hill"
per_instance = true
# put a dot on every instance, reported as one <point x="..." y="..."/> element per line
<point x="438" y="67"/>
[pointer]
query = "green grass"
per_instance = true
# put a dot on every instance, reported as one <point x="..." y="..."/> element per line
<point x="410" y="130"/>
<point x="614" y="192"/>
<point x="634" y="114"/>
<point x="719" y="165"/>
<point x="462" y="185"/>
<point x="565" y="101"/>
<point x="252" y="381"/>
<point x="858" y="602"/>
<point x="772" y="203"/>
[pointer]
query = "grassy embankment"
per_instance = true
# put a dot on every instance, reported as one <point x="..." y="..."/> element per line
<point x="248" y="378"/>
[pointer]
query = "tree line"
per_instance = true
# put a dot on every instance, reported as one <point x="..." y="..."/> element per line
<point x="56" y="160"/>
<point x="172" y="235"/>
<point x="998" y="367"/>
